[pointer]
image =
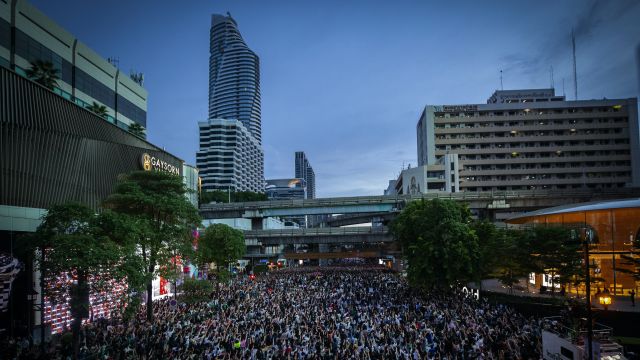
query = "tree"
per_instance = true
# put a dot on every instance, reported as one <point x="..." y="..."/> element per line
<point x="137" y="130"/>
<point x="76" y="259"/>
<point x="438" y="242"/>
<point x="555" y="252"/>
<point x="162" y="217"/>
<point x="98" y="109"/>
<point x="44" y="74"/>
<point x="194" y="290"/>
<point x="488" y="242"/>
<point x="220" y="244"/>
<point x="512" y="258"/>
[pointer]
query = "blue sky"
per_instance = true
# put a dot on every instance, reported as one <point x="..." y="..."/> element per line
<point x="345" y="81"/>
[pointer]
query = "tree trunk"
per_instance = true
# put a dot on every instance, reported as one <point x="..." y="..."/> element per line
<point x="150" y="295"/>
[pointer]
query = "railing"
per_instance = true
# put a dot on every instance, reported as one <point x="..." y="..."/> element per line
<point x="395" y="199"/>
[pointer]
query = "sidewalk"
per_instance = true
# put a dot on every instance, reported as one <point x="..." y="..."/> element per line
<point x="620" y="303"/>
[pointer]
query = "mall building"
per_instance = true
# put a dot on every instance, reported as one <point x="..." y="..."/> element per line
<point x="27" y="35"/>
<point x="53" y="150"/>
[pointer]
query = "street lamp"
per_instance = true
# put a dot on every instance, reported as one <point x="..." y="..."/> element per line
<point x="32" y="296"/>
<point x="604" y="298"/>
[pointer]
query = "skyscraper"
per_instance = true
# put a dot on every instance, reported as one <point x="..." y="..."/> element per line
<point x="305" y="171"/>
<point x="234" y="76"/>
<point x="231" y="155"/>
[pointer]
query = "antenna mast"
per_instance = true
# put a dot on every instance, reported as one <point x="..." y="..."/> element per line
<point x="501" y="87"/>
<point x="575" y="72"/>
<point x="552" y="83"/>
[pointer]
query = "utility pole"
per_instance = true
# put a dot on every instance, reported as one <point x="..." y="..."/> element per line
<point x="575" y="71"/>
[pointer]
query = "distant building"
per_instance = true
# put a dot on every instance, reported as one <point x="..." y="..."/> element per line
<point x="534" y="139"/>
<point x="284" y="189"/>
<point x="27" y="35"/>
<point x="231" y="155"/>
<point x="304" y="171"/>
<point x="191" y="179"/>
<point x="440" y="177"/>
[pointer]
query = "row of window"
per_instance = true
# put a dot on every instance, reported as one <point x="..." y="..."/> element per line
<point x="465" y="125"/>
<point x="31" y="50"/>
<point x="600" y="109"/>
<point x="545" y="165"/>
<point x="545" y="187"/>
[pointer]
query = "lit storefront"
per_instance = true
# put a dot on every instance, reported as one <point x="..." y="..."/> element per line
<point x="611" y="226"/>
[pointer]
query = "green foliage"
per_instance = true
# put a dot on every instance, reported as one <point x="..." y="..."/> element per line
<point x="489" y="245"/>
<point x="555" y="252"/>
<point x="98" y="109"/>
<point x="194" y="291"/>
<point x="440" y="246"/>
<point x="43" y="73"/>
<point x="137" y="130"/>
<point x="160" y="220"/>
<point x="72" y="244"/>
<point x="236" y="196"/>
<point x="512" y="257"/>
<point x="220" y="244"/>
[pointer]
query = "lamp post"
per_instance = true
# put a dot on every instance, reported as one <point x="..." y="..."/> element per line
<point x="604" y="298"/>
<point x="588" y="299"/>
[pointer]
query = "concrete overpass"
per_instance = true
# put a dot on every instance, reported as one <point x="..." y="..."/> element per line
<point x="492" y="202"/>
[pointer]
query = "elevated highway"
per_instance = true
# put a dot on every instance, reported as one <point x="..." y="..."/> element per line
<point x="502" y="201"/>
<point x="346" y="235"/>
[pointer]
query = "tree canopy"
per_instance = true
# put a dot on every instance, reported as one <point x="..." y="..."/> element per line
<point x="160" y="218"/>
<point x="440" y="246"/>
<point x="76" y="258"/>
<point x="220" y="244"/>
<point x="44" y="73"/>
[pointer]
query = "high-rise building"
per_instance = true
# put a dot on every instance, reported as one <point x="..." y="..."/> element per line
<point x="286" y="189"/>
<point x="27" y="35"/>
<point x="534" y="139"/>
<point x="231" y="155"/>
<point x="234" y="76"/>
<point x="305" y="171"/>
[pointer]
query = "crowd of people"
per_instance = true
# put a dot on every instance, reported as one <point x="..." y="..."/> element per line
<point x="360" y="312"/>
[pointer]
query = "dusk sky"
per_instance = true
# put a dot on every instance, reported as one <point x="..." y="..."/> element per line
<point x="345" y="81"/>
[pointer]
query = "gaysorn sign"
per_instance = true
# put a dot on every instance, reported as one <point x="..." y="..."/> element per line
<point x="149" y="163"/>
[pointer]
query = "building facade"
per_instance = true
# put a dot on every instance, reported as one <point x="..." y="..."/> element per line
<point x="229" y="157"/>
<point x="440" y="177"/>
<point x="234" y="76"/>
<point x="533" y="139"/>
<point x="286" y="189"/>
<point x="304" y="170"/>
<point x="52" y="152"/>
<point x="27" y="35"/>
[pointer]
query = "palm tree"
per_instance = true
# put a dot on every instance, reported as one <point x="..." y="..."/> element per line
<point x="137" y="130"/>
<point x="98" y="109"/>
<point x="43" y="73"/>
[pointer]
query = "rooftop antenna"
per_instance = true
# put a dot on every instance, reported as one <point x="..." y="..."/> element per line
<point x="563" y="93"/>
<point x="575" y="72"/>
<point x="115" y="61"/>
<point x="501" y="86"/>
<point x="551" y="74"/>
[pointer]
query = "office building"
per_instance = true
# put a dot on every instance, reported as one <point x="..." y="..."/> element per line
<point x="27" y="35"/>
<point x="443" y="176"/>
<point x="229" y="157"/>
<point x="534" y="139"/>
<point x="303" y="170"/>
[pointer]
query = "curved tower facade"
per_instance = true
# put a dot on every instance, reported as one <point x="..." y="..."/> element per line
<point x="234" y="76"/>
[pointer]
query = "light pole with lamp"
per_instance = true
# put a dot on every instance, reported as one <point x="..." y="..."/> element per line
<point x="32" y="296"/>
